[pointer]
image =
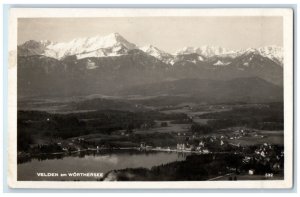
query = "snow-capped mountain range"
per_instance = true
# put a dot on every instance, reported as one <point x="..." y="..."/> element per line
<point x="274" y="53"/>
<point x="109" y="64"/>
<point x="116" y="45"/>
<point x="98" y="46"/>
<point x="208" y="51"/>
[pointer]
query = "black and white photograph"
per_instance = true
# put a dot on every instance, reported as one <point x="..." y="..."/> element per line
<point x="201" y="98"/>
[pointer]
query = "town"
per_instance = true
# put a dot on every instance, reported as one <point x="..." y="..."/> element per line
<point x="265" y="159"/>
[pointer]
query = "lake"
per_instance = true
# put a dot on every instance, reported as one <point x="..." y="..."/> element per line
<point x="92" y="162"/>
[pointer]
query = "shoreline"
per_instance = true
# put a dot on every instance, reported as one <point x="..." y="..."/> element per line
<point x="28" y="155"/>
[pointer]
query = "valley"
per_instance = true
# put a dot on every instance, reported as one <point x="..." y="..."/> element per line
<point x="142" y="114"/>
<point x="185" y="128"/>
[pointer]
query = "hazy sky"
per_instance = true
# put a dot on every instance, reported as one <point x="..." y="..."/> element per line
<point x="167" y="33"/>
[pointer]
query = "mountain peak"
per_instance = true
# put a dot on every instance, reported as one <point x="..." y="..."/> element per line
<point x="31" y="43"/>
<point x="159" y="54"/>
<point x="149" y="47"/>
<point x="116" y="36"/>
<point x="275" y="53"/>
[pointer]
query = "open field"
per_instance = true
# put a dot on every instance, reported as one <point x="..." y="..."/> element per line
<point x="169" y="128"/>
<point x="274" y="137"/>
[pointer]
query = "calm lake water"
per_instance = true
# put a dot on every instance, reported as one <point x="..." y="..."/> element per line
<point x="95" y="162"/>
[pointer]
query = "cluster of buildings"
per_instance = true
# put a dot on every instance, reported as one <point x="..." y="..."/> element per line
<point x="239" y="134"/>
<point x="264" y="151"/>
<point x="242" y="132"/>
<point x="74" y="144"/>
<point x="144" y="146"/>
<point x="266" y="155"/>
<point x="190" y="147"/>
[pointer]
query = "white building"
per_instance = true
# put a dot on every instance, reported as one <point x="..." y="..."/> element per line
<point x="251" y="172"/>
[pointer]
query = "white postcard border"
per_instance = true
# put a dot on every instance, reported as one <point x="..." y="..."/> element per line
<point x="16" y="13"/>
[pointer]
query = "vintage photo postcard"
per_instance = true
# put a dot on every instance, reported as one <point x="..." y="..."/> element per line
<point x="150" y="98"/>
